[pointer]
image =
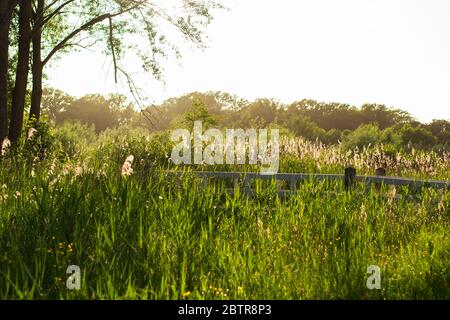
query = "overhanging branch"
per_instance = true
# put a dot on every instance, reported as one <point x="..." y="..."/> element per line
<point x="111" y="43"/>
<point x="85" y="27"/>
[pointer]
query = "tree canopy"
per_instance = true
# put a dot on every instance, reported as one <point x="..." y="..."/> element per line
<point x="370" y="124"/>
<point x="47" y="29"/>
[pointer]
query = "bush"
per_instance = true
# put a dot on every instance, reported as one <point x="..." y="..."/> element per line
<point x="391" y="136"/>
<point x="364" y="135"/>
<point x="332" y="136"/>
<point x="417" y="137"/>
<point x="75" y="137"/>
<point x="306" y="128"/>
<point x="37" y="143"/>
<point x="148" y="149"/>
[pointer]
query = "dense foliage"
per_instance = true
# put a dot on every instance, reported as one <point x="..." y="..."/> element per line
<point x="329" y="123"/>
<point x="139" y="232"/>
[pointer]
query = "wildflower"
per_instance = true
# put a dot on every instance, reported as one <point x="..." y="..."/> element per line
<point x="363" y="214"/>
<point x="186" y="294"/>
<point x="65" y="170"/>
<point x="260" y="226"/>
<point x="392" y="195"/>
<point x="31" y="133"/>
<point x="268" y="232"/>
<point x="52" y="168"/>
<point x="58" y="280"/>
<point x="5" y="145"/>
<point x="78" y="171"/>
<point x="101" y="173"/>
<point x="441" y="203"/>
<point x="127" y="169"/>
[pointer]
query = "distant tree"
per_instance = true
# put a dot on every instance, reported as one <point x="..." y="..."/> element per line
<point x="332" y="136"/>
<point x="417" y="137"/>
<point x="365" y="135"/>
<point x="90" y="110"/>
<point x="172" y="110"/>
<point x="305" y="127"/>
<point x="383" y="116"/>
<point x="54" y="102"/>
<point x="198" y="112"/>
<point x="260" y="113"/>
<point x="343" y="116"/>
<point x="327" y="115"/>
<point x="122" y="108"/>
<point x="441" y="130"/>
<point x="227" y="101"/>
<point x="391" y="136"/>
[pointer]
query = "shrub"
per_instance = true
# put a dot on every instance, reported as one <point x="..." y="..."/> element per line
<point x="306" y="128"/>
<point x="75" y="137"/>
<point x="417" y="137"/>
<point x="332" y="136"/>
<point x="364" y="135"/>
<point x="391" y="136"/>
<point x="148" y="149"/>
<point x="37" y="143"/>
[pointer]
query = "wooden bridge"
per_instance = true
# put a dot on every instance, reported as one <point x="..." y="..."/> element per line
<point x="349" y="178"/>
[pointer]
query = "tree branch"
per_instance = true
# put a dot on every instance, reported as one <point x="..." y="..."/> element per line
<point x="111" y="42"/>
<point x="54" y="13"/>
<point x="51" y="5"/>
<point x="84" y="27"/>
<point x="9" y="8"/>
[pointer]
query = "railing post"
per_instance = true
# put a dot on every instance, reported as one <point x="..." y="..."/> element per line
<point x="247" y="185"/>
<point x="293" y="185"/>
<point x="349" y="177"/>
<point x="379" y="172"/>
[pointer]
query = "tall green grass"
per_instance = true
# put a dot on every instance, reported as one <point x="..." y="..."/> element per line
<point x="158" y="236"/>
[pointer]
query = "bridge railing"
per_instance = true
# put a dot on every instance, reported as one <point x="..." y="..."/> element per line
<point x="349" y="178"/>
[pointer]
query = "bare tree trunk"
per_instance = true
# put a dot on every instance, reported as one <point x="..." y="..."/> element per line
<point x="5" y="22"/>
<point x="37" y="69"/>
<point x="23" y="66"/>
<point x="36" y="93"/>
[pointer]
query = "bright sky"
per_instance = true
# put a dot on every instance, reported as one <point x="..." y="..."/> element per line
<point x="394" y="52"/>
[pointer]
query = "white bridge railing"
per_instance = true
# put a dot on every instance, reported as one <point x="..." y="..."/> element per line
<point x="349" y="178"/>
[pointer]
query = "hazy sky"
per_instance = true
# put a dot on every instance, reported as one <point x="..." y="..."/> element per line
<point x="395" y="52"/>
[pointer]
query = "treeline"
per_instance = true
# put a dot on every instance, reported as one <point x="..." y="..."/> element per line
<point x="329" y="123"/>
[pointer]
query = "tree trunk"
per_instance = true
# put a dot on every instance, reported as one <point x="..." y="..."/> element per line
<point x="23" y="63"/>
<point x="5" y="22"/>
<point x="36" y="94"/>
<point x="37" y="69"/>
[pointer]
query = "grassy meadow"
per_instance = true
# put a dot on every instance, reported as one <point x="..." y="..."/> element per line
<point x="148" y="234"/>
